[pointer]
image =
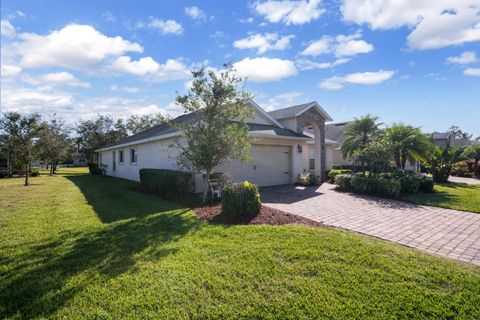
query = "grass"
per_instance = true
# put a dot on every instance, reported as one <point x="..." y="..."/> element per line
<point x="75" y="246"/>
<point x="459" y="196"/>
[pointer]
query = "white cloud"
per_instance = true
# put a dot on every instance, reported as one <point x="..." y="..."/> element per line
<point x="367" y="78"/>
<point x="195" y="13"/>
<point x="305" y="64"/>
<point x="465" y="58"/>
<point x="108" y="16"/>
<point x="288" y="11"/>
<point x="265" y="69"/>
<point x="62" y="79"/>
<point x="116" y="88"/>
<point x="10" y="70"/>
<point x="7" y="30"/>
<point x="165" y="26"/>
<point x="31" y="100"/>
<point x="263" y="42"/>
<point x="74" y="46"/>
<point x="247" y="20"/>
<point x="340" y="46"/>
<point x="435" y="23"/>
<point x="141" y="67"/>
<point x="281" y="100"/>
<point x="475" y="72"/>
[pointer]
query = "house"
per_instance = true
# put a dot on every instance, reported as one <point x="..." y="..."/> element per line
<point x="283" y="143"/>
<point x="443" y="139"/>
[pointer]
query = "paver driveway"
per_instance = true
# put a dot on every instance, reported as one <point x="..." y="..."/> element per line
<point x="451" y="233"/>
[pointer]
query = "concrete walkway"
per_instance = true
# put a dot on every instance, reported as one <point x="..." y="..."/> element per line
<point x="451" y="233"/>
<point x="464" y="180"/>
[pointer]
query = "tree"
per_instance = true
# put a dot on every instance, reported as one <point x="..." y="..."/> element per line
<point x="376" y="155"/>
<point x="54" y="143"/>
<point x="358" y="134"/>
<point x="219" y="131"/>
<point x="93" y="134"/>
<point x="407" y="144"/>
<point x="22" y="132"/>
<point x="473" y="152"/>
<point x="457" y="133"/>
<point x="138" y="123"/>
<point x="442" y="160"/>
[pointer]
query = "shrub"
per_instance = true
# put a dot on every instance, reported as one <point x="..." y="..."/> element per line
<point x="343" y="181"/>
<point x="166" y="182"/>
<point x="94" y="168"/>
<point x="307" y="179"/>
<point x="241" y="200"/>
<point x="375" y="185"/>
<point x="337" y="166"/>
<point x="409" y="181"/>
<point x="426" y="185"/>
<point x="34" y="173"/>
<point x="334" y="172"/>
<point x="463" y="172"/>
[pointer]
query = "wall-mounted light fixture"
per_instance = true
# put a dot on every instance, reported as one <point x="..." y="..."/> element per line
<point x="299" y="148"/>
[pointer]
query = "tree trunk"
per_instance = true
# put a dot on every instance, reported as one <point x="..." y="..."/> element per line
<point x="51" y="168"/>
<point x="404" y="160"/>
<point x="205" y="189"/>
<point x="26" y="173"/>
<point x="397" y="159"/>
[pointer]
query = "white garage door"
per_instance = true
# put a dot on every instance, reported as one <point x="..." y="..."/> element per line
<point x="270" y="166"/>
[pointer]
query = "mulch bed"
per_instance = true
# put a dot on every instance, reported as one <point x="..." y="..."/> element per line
<point x="213" y="213"/>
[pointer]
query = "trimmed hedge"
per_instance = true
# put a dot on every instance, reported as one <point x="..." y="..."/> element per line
<point x="166" y="182"/>
<point x="94" y="168"/>
<point x="426" y="185"/>
<point x="334" y="172"/>
<point x="375" y="185"/>
<point x="241" y="200"/>
<point x="344" y="181"/>
<point x="307" y="179"/>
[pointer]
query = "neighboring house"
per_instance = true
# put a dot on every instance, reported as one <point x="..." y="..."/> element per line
<point x="280" y="148"/>
<point x="79" y="160"/>
<point x="443" y="139"/>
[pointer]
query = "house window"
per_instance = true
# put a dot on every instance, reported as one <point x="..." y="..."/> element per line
<point x="133" y="156"/>
<point x="100" y="158"/>
<point x="312" y="164"/>
<point x="120" y="156"/>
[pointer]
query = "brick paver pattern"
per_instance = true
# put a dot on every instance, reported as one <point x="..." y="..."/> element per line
<point x="451" y="233"/>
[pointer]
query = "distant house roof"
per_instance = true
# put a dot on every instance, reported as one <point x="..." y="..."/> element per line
<point x="297" y="110"/>
<point x="441" y="135"/>
<point x="334" y="131"/>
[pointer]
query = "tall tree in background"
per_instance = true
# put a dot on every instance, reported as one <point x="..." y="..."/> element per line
<point x="23" y="132"/>
<point x="407" y="143"/>
<point x="457" y="133"/>
<point x="93" y="134"/>
<point x="54" y="143"/>
<point x="139" y="123"/>
<point x="216" y="100"/>
<point x="358" y="134"/>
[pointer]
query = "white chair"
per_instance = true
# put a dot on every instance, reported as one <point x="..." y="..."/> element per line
<point x="215" y="188"/>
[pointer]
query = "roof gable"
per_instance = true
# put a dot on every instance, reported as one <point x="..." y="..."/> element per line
<point x="295" y="111"/>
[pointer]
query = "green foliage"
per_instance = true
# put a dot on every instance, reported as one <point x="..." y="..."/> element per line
<point x="426" y="185"/>
<point x="334" y="172"/>
<point x="166" y="182"/>
<point x="409" y="181"/>
<point x="139" y="123"/>
<point x="407" y="143"/>
<point x="442" y="161"/>
<point x="375" y="184"/>
<point x="34" y="173"/>
<point x="375" y="156"/>
<point x="54" y="143"/>
<point x="95" y="169"/>
<point x="343" y="181"/>
<point x="359" y="134"/>
<point x="240" y="200"/>
<point x="307" y="179"/>
<point x="215" y="99"/>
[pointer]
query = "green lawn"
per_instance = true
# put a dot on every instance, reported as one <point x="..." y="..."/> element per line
<point x="76" y="246"/>
<point x="459" y="196"/>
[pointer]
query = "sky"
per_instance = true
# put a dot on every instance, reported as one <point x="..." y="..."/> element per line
<point x="403" y="61"/>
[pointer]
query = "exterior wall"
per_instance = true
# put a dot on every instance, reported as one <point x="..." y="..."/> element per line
<point x="289" y="123"/>
<point x="329" y="149"/>
<point x="337" y="157"/>
<point x="260" y="119"/>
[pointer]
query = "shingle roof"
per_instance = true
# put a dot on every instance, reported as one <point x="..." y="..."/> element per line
<point x="334" y="131"/>
<point x="441" y="135"/>
<point x="256" y="128"/>
<point x="290" y="111"/>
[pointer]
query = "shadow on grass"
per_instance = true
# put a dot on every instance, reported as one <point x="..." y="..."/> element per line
<point x="45" y="276"/>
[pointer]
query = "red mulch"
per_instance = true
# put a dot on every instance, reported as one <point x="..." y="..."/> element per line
<point x="212" y="213"/>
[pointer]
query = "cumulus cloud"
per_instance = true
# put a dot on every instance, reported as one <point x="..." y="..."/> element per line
<point x="265" y="69"/>
<point x="10" y="70"/>
<point x="7" y="30"/>
<point x="340" y="46"/>
<point x="367" y="78"/>
<point x="305" y="64"/>
<point x="195" y="13"/>
<point x="165" y="26"/>
<point x="465" y="58"/>
<point x="288" y="11"/>
<point x="264" y="42"/>
<point x="150" y="69"/>
<point x="62" y="79"/>
<point x="282" y="100"/>
<point x="475" y="72"/>
<point x="434" y="23"/>
<point x="74" y="46"/>
<point x="116" y="88"/>
<point x="32" y="100"/>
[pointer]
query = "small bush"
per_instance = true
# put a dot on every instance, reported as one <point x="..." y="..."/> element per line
<point x="166" y="182"/>
<point x="337" y="166"/>
<point x="307" y="179"/>
<point x="241" y="200"/>
<point x="463" y="172"/>
<point x="426" y="185"/>
<point x="94" y="168"/>
<point x="375" y="185"/>
<point x="34" y="173"/>
<point x="343" y="181"/>
<point x="334" y="172"/>
<point x="409" y="181"/>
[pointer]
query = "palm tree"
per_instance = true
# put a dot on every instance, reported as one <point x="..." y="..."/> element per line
<point x="408" y="144"/>
<point x="358" y="134"/>
<point x="442" y="160"/>
<point x="473" y="152"/>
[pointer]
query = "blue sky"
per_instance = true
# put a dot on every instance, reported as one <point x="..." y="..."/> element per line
<point x="404" y="62"/>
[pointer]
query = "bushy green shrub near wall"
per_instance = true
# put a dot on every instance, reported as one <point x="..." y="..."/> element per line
<point x="334" y="172"/>
<point x="241" y="200"/>
<point x="166" y="182"/>
<point x="343" y="181"/>
<point x="307" y="179"/>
